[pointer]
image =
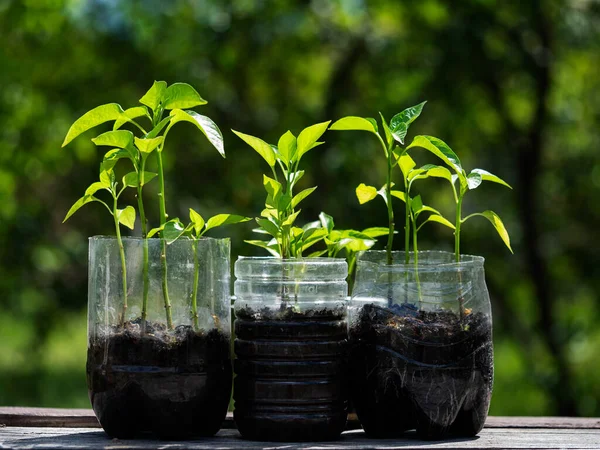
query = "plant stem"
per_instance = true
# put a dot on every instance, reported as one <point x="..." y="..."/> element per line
<point x="195" y="288"/>
<point x="407" y="223"/>
<point x="388" y="195"/>
<point x="163" y="254"/>
<point x="461" y="306"/>
<point x="416" y="259"/>
<point x="123" y="264"/>
<point x="144" y="237"/>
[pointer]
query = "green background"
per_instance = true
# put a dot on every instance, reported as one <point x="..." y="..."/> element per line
<point x="513" y="87"/>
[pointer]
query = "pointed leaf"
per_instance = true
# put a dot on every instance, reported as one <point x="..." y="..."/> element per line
<point x="295" y="177"/>
<point x="399" y="194"/>
<point x="407" y="116"/>
<point x="158" y="128"/>
<point x="302" y="195"/>
<point x="473" y="180"/>
<point x="439" y="172"/>
<point x="154" y="96"/>
<point x="78" y="204"/>
<point x="486" y="176"/>
<point x="224" y="219"/>
<point x="440" y="149"/>
<point x="181" y="95"/>
<point x="95" y="187"/>
<point x="406" y="164"/>
<point x="388" y="133"/>
<point x="326" y="221"/>
<point x="354" y="123"/>
<point x="365" y="193"/>
<point x="289" y="221"/>
<point x="439" y="219"/>
<point x="203" y="123"/>
<point x="287" y="147"/>
<point x="153" y="231"/>
<point x="271" y="248"/>
<point x="119" y="138"/>
<point x="261" y="147"/>
<point x="399" y="132"/>
<point x="197" y="221"/>
<point x="92" y="118"/>
<point x="115" y="154"/>
<point x="172" y="230"/>
<point x="127" y="217"/>
<point x="131" y="179"/>
<point x="273" y="188"/>
<point x="317" y="253"/>
<point x="416" y="204"/>
<point x="268" y="226"/>
<point x="374" y="232"/>
<point x="497" y="223"/>
<point x="307" y="139"/>
<point x="129" y="114"/>
<point x="147" y="145"/>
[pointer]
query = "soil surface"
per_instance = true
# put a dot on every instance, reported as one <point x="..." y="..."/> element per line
<point x="291" y="370"/>
<point x="421" y="369"/>
<point x="173" y="384"/>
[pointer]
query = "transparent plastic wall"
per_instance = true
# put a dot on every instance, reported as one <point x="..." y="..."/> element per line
<point x="437" y="282"/>
<point x="208" y="266"/>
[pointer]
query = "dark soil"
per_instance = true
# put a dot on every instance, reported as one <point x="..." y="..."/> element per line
<point x="170" y="384"/>
<point x="419" y="369"/>
<point x="290" y="370"/>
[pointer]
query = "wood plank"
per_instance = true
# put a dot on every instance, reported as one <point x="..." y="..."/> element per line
<point x="491" y="438"/>
<point x="591" y="423"/>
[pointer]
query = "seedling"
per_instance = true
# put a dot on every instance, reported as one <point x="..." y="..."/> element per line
<point x="280" y="213"/>
<point x="394" y="133"/>
<point x="159" y="98"/>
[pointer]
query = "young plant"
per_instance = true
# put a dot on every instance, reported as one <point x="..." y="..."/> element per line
<point x="466" y="183"/>
<point x="280" y="213"/>
<point x="175" y="98"/>
<point x="394" y="134"/>
<point x="175" y="229"/>
<point x="125" y="216"/>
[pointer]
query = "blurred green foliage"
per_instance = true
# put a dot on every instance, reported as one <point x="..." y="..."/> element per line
<point x="512" y="86"/>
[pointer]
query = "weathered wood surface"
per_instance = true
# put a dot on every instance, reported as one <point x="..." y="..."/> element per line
<point x="490" y="438"/>
<point x="42" y="428"/>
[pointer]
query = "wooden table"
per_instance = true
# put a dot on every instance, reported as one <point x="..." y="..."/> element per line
<point x="42" y="428"/>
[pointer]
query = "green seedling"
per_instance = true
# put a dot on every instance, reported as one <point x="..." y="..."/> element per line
<point x="160" y="98"/>
<point x="394" y="134"/>
<point x="195" y="230"/>
<point x="279" y="216"/>
<point x="125" y="216"/>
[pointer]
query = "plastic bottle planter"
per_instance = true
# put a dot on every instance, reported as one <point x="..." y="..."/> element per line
<point x="291" y="342"/>
<point x="142" y="376"/>
<point x="421" y="345"/>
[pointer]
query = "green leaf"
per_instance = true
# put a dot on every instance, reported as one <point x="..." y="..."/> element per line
<point x="131" y="179"/>
<point x="354" y="123"/>
<point x="486" y="176"/>
<point x="272" y="248"/>
<point x="78" y="204"/>
<point x="115" y="154"/>
<point x="440" y="149"/>
<point x="119" y="138"/>
<point x="497" y="223"/>
<point x="416" y="204"/>
<point x="106" y="176"/>
<point x="127" y="217"/>
<point x="302" y="195"/>
<point x="224" y="219"/>
<point x="153" y="231"/>
<point x="181" y="95"/>
<point x="129" y="114"/>
<point x="374" y="232"/>
<point x="439" y="219"/>
<point x="158" y="128"/>
<point x="406" y="164"/>
<point x="268" y="226"/>
<point x="92" y="118"/>
<point x="388" y="133"/>
<point x="473" y="180"/>
<point x="261" y="147"/>
<point x="438" y="172"/>
<point x="317" y="253"/>
<point x="326" y="221"/>
<point x="197" y="221"/>
<point x="315" y="236"/>
<point x="407" y="116"/>
<point x="399" y="194"/>
<point x="154" y="96"/>
<point x="307" y="139"/>
<point x="287" y="147"/>
<point x="365" y="193"/>
<point x="399" y="132"/>
<point x="95" y="187"/>
<point x="204" y="124"/>
<point x="289" y="221"/>
<point x="273" y="188"/>
<point x="172" y="230"/>
<point x="148" y="145"/>
<point x="295" y="177"/>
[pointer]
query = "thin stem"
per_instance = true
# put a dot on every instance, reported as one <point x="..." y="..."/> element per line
<point x="388" y="197"/>
<point x="144" y="237"/>
<point x="406" y="222"/>
<point x="163" y="254"/>
<point x="195" y="287"/>
<point x="416" y="258"/>
<point x="461" y="307"/>
<point x="123" y="264"/>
